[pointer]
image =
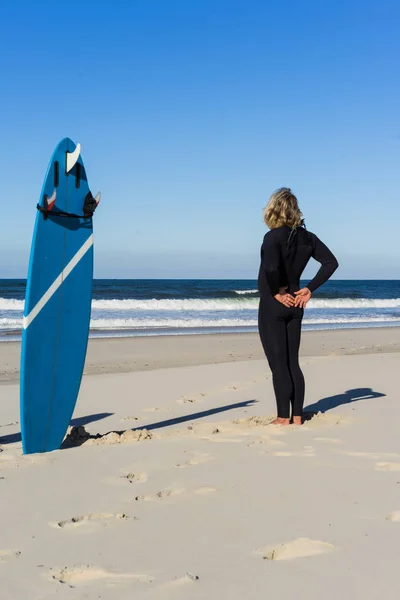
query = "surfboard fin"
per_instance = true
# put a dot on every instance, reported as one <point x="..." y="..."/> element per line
<point x="72" y="158"/>
<point x="97" y="198"/>
<point x="90" y="204"/>
<point x="50" y="202"/>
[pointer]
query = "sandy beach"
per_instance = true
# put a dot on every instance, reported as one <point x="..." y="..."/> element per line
<point x="173" y="484"/>
<point x="130" y="354"/>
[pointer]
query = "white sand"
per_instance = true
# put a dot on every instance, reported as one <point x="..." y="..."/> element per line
<point x="211" y="502"/>
<point x="127" y="355"/>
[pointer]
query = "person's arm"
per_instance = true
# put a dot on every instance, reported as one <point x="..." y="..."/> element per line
<point x="270" y="260"/>
<point x="329" y="264"/>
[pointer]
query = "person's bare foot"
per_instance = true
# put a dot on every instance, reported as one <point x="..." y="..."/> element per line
<point x="280" y="421"/>
<point x="297" y="420"/>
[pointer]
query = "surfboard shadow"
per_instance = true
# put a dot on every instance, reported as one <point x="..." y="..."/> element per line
<point x="89" y="419"/>
<point x="195" y="416"/>
<point x="12" y="438"/>
<point x="348" y="397"/>
<point x="79" y="437"/>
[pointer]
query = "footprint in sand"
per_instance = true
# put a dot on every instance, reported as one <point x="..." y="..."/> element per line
<point x="132" y="476"/>
<point x="387" y="466"/>
<point x="300" y="548"/>
<point x="179" y="581"/>
<point x="88" y="521"/>
<point x="154" y="409"/>
<point x="394" y="516"/>
<point x="160" y="495"/>
<point x="198" y="459"/>
<point x="175" y="492"/>
<point x="187" y="400"/>
<point x="138" y="477"/>
<point x="86" y="574"/>
<point x="267" y="442"/>
<point x="6" y="555"/>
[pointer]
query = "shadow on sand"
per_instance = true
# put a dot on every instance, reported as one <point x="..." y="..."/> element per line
<point x="347" y="397"/>
<point x="77" y="438"/>
<point x="198" y="415"/>
<point x="80" y="421"/>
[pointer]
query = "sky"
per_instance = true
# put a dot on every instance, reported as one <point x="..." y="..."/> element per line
<point x="190" y="113"/>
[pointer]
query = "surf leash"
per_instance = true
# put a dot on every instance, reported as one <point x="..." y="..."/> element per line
<point x="89" y="206"/>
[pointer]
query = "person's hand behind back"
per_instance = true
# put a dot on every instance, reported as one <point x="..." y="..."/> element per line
<point x="284" y="298"/>
<point x="302" y="297"/>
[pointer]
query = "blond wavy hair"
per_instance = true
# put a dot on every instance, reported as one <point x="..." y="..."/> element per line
<point x="283" y="209"/>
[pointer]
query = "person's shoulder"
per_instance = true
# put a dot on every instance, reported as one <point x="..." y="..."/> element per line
<point x="274" y="234"/>
<point x="306" y="236"/>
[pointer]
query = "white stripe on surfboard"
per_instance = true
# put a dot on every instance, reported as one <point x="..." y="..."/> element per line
<point x="56" y="284"/>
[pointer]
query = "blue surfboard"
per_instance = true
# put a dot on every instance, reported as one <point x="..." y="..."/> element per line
<point x="57" y="302"/>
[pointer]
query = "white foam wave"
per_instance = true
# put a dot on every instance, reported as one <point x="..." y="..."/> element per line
<point x="355" y="303"/>
<point x="245" y="292"/>
<point x="11" y="304"/>
<point x="341" y="320"/>
<point x="153" y="324"/>
<point x="217" y="304"/>
<point x="225" y="304"/>
<point x="7" y="324"/>
<point x="200" y="323"/>
<point x="189" y="304"/>
<point x="170" y="323"/>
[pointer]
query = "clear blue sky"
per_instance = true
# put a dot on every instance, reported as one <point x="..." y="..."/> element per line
<point x="190" y="112"/>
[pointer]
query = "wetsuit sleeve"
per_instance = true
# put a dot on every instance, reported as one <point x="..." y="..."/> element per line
<point x="270" y="261"/>
<point x="329" y="264"/>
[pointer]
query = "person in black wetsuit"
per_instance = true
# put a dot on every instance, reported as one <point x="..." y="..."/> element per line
<point x="285" y="252"/>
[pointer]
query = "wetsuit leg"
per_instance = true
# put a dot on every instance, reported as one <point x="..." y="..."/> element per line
<point x="274" y="338"/>
<point x="293" y="336"/>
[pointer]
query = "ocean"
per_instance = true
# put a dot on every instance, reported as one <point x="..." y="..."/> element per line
<point x="178" y="307"/>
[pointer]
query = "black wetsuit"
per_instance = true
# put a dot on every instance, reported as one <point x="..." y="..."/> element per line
<point x="284" y="256"/>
